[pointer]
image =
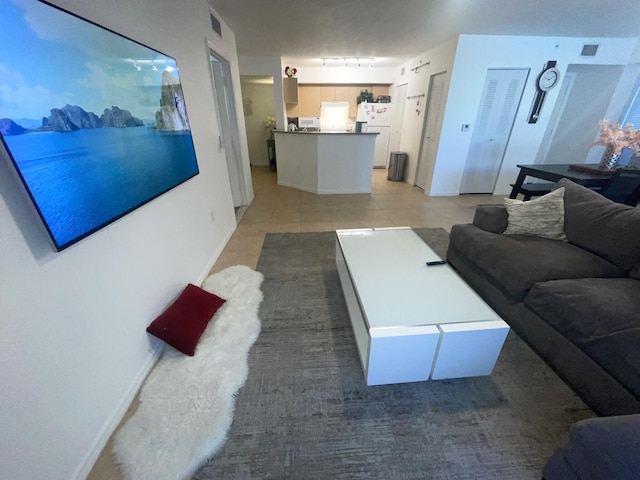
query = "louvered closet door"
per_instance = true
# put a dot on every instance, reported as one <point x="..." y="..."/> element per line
<point x="498" y="107"/>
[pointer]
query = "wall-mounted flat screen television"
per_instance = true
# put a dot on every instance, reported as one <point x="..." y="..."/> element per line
<point x="94" y="122"/>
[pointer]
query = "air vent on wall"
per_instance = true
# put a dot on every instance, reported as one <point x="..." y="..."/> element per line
<point x="215" y="24"/>
<point x="589" y="50"/>
<point x="402" y="71"/>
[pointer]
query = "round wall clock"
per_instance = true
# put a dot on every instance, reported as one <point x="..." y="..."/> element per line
<point x="548" y="78"/>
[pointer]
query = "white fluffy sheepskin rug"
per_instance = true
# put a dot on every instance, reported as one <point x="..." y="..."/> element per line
<point x="187" y="403"/>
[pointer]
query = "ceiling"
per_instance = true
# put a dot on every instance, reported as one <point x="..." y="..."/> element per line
<point x="396" y="30"/>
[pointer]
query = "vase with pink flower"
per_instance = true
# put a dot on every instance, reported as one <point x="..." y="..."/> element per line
<point x="621" y="144"/>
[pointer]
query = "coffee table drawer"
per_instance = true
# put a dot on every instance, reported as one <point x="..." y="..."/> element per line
<point x="469" y="349"/>
<point x="399" y="355"/>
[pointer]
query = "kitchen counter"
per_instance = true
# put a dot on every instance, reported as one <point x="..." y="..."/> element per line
<point x="325" y="162"/>
<point x="328" y="133"/>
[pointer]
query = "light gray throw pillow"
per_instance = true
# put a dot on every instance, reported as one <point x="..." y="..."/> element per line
<point x="542" y="217"/>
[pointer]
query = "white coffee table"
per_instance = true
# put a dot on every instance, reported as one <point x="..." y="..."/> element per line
<point x="413" y="322"/>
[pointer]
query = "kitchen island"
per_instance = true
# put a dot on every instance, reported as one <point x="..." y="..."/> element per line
<point x="325" y="162"/>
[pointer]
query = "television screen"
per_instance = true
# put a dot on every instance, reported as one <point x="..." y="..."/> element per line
<point x="94" y="123"/>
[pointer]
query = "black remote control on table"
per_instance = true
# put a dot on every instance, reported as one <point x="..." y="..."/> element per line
<point x="436" y="262"/>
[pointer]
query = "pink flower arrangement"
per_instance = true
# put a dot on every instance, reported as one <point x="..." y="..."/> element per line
<point x="613" y="136"/>
<point x="290" y="71"/>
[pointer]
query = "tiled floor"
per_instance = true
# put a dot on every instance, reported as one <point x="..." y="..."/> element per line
<point x="282" y="209"/>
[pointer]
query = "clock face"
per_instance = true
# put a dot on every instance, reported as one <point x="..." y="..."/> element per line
<point x="548" y="79"/>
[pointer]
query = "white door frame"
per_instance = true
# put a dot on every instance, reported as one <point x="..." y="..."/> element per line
<point x="229" y="138"/>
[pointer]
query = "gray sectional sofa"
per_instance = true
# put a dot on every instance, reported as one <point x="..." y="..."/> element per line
<point x="575" y="302"/>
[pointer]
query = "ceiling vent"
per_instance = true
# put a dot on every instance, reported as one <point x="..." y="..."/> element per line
<point x="589" y="50"/>
<point x="402" y="71"/>
<point x="215" y="24"/>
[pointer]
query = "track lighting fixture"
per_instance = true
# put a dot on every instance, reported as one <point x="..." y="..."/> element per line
<point x="345" y="61"/>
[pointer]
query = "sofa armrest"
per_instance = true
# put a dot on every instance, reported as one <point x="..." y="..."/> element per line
<point x="491" y="218"/>
<point x="599" y="448"/>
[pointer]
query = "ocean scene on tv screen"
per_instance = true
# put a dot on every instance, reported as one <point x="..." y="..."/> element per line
<point x="95" y="123"/>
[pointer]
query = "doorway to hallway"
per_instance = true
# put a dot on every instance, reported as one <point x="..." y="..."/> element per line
<point x="229" y="140"/>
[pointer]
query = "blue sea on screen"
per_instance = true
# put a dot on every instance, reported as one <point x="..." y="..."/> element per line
<point x="85" y="179"/>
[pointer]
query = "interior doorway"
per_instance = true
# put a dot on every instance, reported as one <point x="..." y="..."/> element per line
<point x="555" y="121"/>
<point x="580" y="105"/>
<point x="399" y="102"/>
<point x="228" y="121"/>
<point x="258" y="104"/>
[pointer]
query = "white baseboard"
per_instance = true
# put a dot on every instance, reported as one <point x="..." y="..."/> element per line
<point x="84" y="468"/>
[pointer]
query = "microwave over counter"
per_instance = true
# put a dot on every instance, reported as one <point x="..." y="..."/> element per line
<point x="309" y="123"/>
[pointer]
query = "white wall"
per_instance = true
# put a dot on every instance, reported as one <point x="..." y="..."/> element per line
<point x="271" y="66"/>
<point x="73" y="347"/>
<point x="474" y="55"/>
<point x="337" y="75"/>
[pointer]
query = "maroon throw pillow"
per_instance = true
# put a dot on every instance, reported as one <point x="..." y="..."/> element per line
<point x="183" y="323"/>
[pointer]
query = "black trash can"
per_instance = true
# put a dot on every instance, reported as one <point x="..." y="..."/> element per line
<point x="397" y="163"/>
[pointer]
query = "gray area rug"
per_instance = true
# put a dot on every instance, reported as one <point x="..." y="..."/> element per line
<point x="306" y="413"/>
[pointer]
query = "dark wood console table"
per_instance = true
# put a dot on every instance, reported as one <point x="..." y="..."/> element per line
<point x="553" y="173"/>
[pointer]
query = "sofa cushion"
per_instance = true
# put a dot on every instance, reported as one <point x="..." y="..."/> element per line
<point x="598" y="315"/>
<point x="619" y="355"/>
<point x="492" y="218"/>
<point x="593" y="222"/>
<point x="513" y="263"/>
<point x="542" y="217"/>
<point x="587" y="308"/>
<point x="598" y="448"/>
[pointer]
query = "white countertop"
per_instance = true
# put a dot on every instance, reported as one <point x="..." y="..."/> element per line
<point x="328" y="133"/>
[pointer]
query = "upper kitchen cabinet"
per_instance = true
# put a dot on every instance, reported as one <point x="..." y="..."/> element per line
<point x="310" y="101"/>
<point x="290" y="89"/>
<point x="311" y="96"/>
